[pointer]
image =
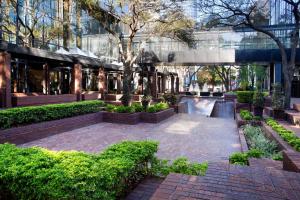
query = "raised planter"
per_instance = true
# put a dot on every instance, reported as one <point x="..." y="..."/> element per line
<point x="137" y="98"/>
<point x="181" y="107"/>
<point x="121" y="118"/>
<point x="91" y="95"/>
<point x="205" y="94"/>
<point x="157" y="117"/>
<point x="230" y="97"/>
<point x="241" y="106"/>
<point x="28" y="133"/>
<point x="240" y="122"/>
<point x="21" y="99"/>
<point x="112" y="97"/>
<point x="291" y="158"/>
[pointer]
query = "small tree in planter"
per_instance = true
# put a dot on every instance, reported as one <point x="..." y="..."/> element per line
<point x="277" y="102"/>
<point x="258" y="103"/>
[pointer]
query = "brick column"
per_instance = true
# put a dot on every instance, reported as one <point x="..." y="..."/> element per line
<point x="102" y="82"/>
<point x="5" y="77"/>
<point x="172" y="84"/>
<point x="177" y="85"/>
<point x="46" y="84"/>
<point x="154" y="85"/>
<point x="163" y="84"/>
<point x="77" y="81"/>
<point x="119" y="81"/>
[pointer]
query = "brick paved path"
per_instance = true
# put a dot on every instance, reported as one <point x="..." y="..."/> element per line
<point x="224" y="181"/>
<point x="197" y="137"/>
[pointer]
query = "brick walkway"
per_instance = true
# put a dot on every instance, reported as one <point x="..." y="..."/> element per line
<point x="197" y="137"/>
<point x="224" y="181"/>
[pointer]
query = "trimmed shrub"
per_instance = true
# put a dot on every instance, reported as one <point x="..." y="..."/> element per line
<point x="157" y="107"/>
<point x="287" y="135"/>
<point x="120" y="108"/>
<point x="33" y="114"/>
<point x="246" y="115"/>
<point x="245" y="96"/>
<point x="138" y="107"/>
<point x="242" y="158"/>
<point x="36" y="173"/>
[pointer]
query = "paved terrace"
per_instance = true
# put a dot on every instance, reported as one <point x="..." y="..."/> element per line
<point x="192" y="135"/>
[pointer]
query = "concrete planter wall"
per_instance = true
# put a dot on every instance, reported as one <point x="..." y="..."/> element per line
<point x="157" y="117"/>
<point x="240" y="122"/>
<point x="121" y="118"/>
<point x="92" y="95"/>
<point x="27" y="133"/>
<point x="112" y="97"/>
<point x="241" y="106"/>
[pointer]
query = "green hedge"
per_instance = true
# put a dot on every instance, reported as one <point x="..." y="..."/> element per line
<point x="244" y="96"/>
<point x="36" y="173"/>
<point x="33" y="114"/>
<point x="289" y="136"/>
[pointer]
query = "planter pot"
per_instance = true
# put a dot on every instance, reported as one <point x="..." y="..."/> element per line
<point x="158" y="116"/>
<point x="258" y="111"/>
<point x="279" y="114"/>
<point x="121" y="118"/>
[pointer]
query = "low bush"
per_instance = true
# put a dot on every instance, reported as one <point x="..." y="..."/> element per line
<point x="33" y="114"/>
<point x="171" y="99"/>
<point x="36" y="173"/>
<point x="138" y="107"/>
<point x="242" y="158"/>
<point x="246" y="115"/>
<point x="120" y="108"/>
<point x="257" y="140"/>
<point x="245" y="96"/>
<point x="180" y="165"/>
<point x="288" y="135"/>
<point x="157" y="107"/>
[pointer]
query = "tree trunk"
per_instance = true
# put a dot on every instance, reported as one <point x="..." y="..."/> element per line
<point x="78" y="25"/>
<point x="288" y="78"/>
<point x="126" y="98"/>
<point x="66" y="24"/>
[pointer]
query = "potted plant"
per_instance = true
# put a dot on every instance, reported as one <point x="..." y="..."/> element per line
<point x="277" y="102"/>
<point x="146" y="100"/>
<point x="258" y="103"/>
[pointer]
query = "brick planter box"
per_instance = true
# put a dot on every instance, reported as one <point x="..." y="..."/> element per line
<point x="240" y="122"/>
<point x="241" y="106"/>
<point x="121" y="118"/>
<point x="291" y="158"/>
<point x="157" y="117"/>
<point x="28" y="133"/>
<point x="20" y="99"/>
<point x="229" y="97"/>
<point x="92" y="95"/>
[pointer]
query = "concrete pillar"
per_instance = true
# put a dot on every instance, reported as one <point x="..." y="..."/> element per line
<point x="77" y="81"/>
<point x="119" y="81"/>
<point x="177" y="85"/>
<point x="5" y="77"/>
<point x="46" y="84"/>
<point x="154" y="85"/>
<point x="163" y="84"/>
<point x="172" y="84"/>
<point x="102" y="82"/>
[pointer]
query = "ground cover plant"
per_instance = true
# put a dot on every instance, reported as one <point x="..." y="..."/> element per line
<point x="37" y="173"/>
<point x="259" y="145"/>
<point x="287" y="135"/>
<point x="246" y="115"/>
<point x="32" y="114"/>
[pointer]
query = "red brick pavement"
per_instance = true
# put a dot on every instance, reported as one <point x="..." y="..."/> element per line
<point x="224" y="181"/>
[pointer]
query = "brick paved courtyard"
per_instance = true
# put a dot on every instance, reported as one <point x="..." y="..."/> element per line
<point x="197" y="137"/>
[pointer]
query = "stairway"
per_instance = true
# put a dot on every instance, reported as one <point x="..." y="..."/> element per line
<point x="225" y="181"/>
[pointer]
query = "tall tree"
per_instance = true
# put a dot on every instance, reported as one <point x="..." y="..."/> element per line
<point x="66" y="24"/>
<point x="226" y="74"/>
<point x="250" y="13"/>
<point x="150" y="17"/>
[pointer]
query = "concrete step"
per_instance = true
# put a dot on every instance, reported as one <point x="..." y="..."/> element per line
<point x="292" y="116"/>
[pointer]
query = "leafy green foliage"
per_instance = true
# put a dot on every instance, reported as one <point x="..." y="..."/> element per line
<point x="138" y="107"/>
<point x="36" y="173"/>
<point x="245" y="96"/>
<point x="157" y="107"/>
<point x="258" y="99"/>
<point x="289" y="136"/>
<point x="171" y="99"/>
<point x="242" y="158"/>
<point x="180" y="165"/>
<point x="33" y="114"/>
<point x="257" y="140"/>
<point x="246" y="115"/>
<point x="120" y="108"/>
